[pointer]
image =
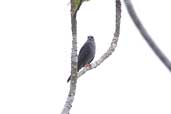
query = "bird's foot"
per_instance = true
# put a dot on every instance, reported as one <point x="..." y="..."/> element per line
<point x="88" y="65"/>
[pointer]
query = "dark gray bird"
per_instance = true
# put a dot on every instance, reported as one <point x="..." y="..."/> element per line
<point x="86" y="54"/>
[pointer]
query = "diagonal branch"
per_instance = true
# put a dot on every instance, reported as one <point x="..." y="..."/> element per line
<point x="70" y="99"/>
<point x="113" y="44"/>
<point x="146" y="36"/>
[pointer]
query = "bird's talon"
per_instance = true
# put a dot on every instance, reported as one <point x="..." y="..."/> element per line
<point x="88" y="65"/>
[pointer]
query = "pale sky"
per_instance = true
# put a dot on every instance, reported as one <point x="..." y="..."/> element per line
<point x="35" y="48"/>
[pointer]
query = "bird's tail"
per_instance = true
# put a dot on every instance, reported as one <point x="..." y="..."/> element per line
<point x="69" y="79"/>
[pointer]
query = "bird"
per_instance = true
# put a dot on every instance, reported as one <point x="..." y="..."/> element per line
<point x="86" y="54"/>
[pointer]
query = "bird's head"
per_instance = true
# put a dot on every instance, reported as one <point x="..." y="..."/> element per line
<point x="90" y="38"/>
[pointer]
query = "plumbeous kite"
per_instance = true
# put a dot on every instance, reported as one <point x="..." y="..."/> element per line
<point x="86" y="54"/>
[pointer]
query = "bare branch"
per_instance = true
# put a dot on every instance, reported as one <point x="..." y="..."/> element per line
<point x="75" y="6"/>
<point x="113" y="44"/>
<point x="70" y="99"/>
<point x="146" y="36"/>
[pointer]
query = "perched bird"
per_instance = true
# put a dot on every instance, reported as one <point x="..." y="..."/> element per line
<point x="86" y="54"/>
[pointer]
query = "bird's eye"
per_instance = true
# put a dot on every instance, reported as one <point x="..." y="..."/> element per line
<point x="90" y="37"/>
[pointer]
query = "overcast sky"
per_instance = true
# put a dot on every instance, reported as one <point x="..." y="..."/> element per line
<point x="35" y="48"/>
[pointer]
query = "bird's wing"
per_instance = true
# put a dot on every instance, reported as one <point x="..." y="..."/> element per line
<point x="84" y="55"/>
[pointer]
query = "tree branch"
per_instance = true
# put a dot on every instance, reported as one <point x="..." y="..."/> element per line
<point x="74" y="75"/>
<point x="75" y="5"/>
<point x="146" y="36"/>
<point x="70" y="99"/>
<point x="113" y="44"/>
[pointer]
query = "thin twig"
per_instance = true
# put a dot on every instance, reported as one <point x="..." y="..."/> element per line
<point x="113" y="44"/>
<point x="146" y="36"/>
